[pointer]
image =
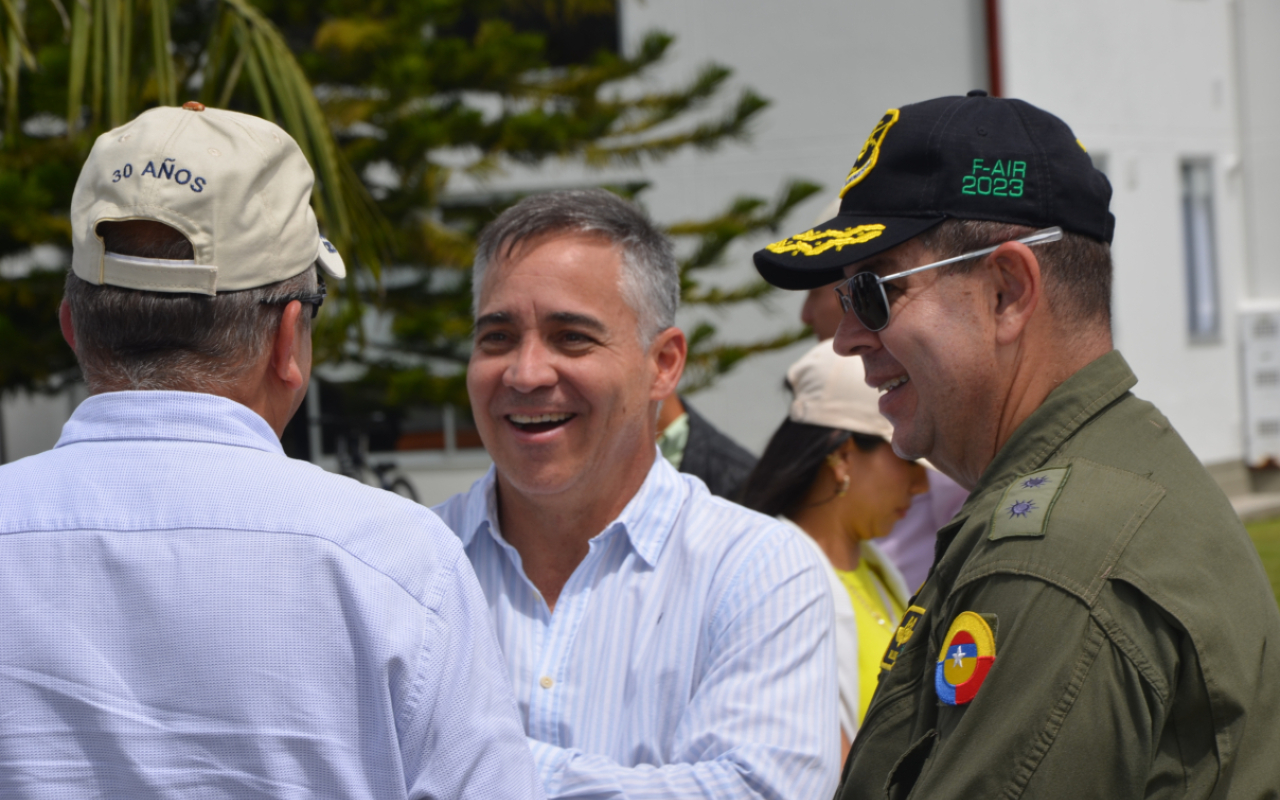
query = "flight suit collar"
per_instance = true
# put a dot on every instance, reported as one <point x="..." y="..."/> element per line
<point x="1067" y="408"/>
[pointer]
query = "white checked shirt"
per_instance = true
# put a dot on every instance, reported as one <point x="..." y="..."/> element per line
<point x="689" y="655"/>
<point x="187" y="613"/>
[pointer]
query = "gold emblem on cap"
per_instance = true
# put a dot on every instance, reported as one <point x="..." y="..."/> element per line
<point x="870" y="151"/>
<point x="812" y="243"/>
<point x="193" y="105"/>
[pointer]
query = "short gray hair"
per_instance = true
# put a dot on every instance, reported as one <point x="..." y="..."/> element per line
<point x="132" y="339"/>
<point x="650" y="281"/>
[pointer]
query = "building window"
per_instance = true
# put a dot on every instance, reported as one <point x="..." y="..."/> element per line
<point x="1199" y="251"/>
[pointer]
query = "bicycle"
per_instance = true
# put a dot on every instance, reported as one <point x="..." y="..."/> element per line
<point x="354" y="463"/>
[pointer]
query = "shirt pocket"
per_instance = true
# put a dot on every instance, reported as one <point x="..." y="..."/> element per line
<point x="908" y="769"/>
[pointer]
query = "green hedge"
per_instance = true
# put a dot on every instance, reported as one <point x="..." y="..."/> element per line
<point x="1266" y="536"/>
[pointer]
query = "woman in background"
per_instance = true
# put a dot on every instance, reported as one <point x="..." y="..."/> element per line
<point x="830" y="473"/>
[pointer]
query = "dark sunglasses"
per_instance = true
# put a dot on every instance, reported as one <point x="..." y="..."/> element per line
<point x="316" y="300"/>
<point x="863" y="294"/>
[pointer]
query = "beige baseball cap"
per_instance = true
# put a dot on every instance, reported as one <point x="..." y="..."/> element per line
<point x="831" y="390"/>
<point x="237" y="186"/>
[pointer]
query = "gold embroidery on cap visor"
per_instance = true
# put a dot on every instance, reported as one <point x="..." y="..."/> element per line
<point x="870" y="151"/>
<point x="813" y="243"/>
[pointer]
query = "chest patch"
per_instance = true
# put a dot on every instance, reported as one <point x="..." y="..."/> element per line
<point x="968" y="651"/>
<point x="1024" y="508"/>
<point x="906" y="629"/>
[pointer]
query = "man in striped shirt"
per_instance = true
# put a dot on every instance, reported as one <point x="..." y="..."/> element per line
<point x="662" y="642"/>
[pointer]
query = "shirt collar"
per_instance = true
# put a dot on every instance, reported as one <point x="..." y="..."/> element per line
<point x="1067" y="408"/>
<point x="481" y="507"/>
<point x="168" y="416"/>
<point x="647" y="519"/>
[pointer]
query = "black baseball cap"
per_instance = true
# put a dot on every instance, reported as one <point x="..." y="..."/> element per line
<point x="973" y="157"/>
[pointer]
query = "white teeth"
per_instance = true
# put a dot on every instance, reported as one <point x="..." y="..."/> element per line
<point x="522" y="419"/>
<point x="894" y="384"/>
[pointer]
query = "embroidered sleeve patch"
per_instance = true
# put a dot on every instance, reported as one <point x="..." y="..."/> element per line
<point x="1024" y="508"/>
<point x="968" y="651"/>
<point x="906" y="629"/>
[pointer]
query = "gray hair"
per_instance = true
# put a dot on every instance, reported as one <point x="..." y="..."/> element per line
<point x="650" y="280"/>
<point x="1076" y="269"/>
<point x="131" y="339"/>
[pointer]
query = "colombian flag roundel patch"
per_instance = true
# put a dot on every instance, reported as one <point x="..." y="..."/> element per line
<point x="968" y="651"/>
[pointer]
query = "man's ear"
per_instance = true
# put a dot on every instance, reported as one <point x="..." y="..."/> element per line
<point x="68" y="328"/>
<point x="286" y="348"/>
<point x="1017" y="287"/>
<point x="668" y="352"/>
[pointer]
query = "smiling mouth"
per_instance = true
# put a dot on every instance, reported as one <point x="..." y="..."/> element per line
<point x="539" y="423"/>
<point x="889" y="386"/>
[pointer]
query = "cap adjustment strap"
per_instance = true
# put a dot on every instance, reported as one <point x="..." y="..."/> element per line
<point x="133" y="272"/>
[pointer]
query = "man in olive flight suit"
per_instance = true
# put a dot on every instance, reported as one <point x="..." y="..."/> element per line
<point x="1097" y="622"/>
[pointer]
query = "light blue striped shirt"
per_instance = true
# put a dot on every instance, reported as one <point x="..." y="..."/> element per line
<point x="690" y="654"/>
<point x="187" y="613"/>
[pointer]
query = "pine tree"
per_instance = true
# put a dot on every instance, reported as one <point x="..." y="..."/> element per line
<point x="390" y="101"/>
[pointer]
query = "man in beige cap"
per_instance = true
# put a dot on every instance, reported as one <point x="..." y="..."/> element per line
<point x="186" y="611"/>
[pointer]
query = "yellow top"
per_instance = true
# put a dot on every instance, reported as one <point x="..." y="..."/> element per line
<point x="877" y="614"/>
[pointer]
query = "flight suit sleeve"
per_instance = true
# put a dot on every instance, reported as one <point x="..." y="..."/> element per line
<point x="1071" y="707"/>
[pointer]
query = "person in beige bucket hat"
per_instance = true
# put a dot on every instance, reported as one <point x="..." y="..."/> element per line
<point x="189" y="612"/>
<point x="830" y="473"/>
<point x="910" y="546"/>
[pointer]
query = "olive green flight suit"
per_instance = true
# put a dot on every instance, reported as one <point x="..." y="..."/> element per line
<point x="1137" y="641"/>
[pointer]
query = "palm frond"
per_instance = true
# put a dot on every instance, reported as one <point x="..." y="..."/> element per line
<point x="17" y="30"/>
<point x="166" y="89"/>
<point x="12" y="62"/>
<point x="80" y="33"/>
<point x="351" y="218"/>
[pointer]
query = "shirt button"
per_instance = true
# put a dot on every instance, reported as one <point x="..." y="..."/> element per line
<point x="546" y="682"/>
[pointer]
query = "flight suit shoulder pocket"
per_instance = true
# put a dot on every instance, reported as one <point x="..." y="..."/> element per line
<point x="1089" y="512"/>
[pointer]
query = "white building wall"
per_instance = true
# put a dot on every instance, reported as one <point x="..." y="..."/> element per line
<point x="1257" y="63"/>
<point x="1256" y="39"/>
<point x="830" y="69"/>
<point x="32" y="423"/>
<point x="1148" y="83"/>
